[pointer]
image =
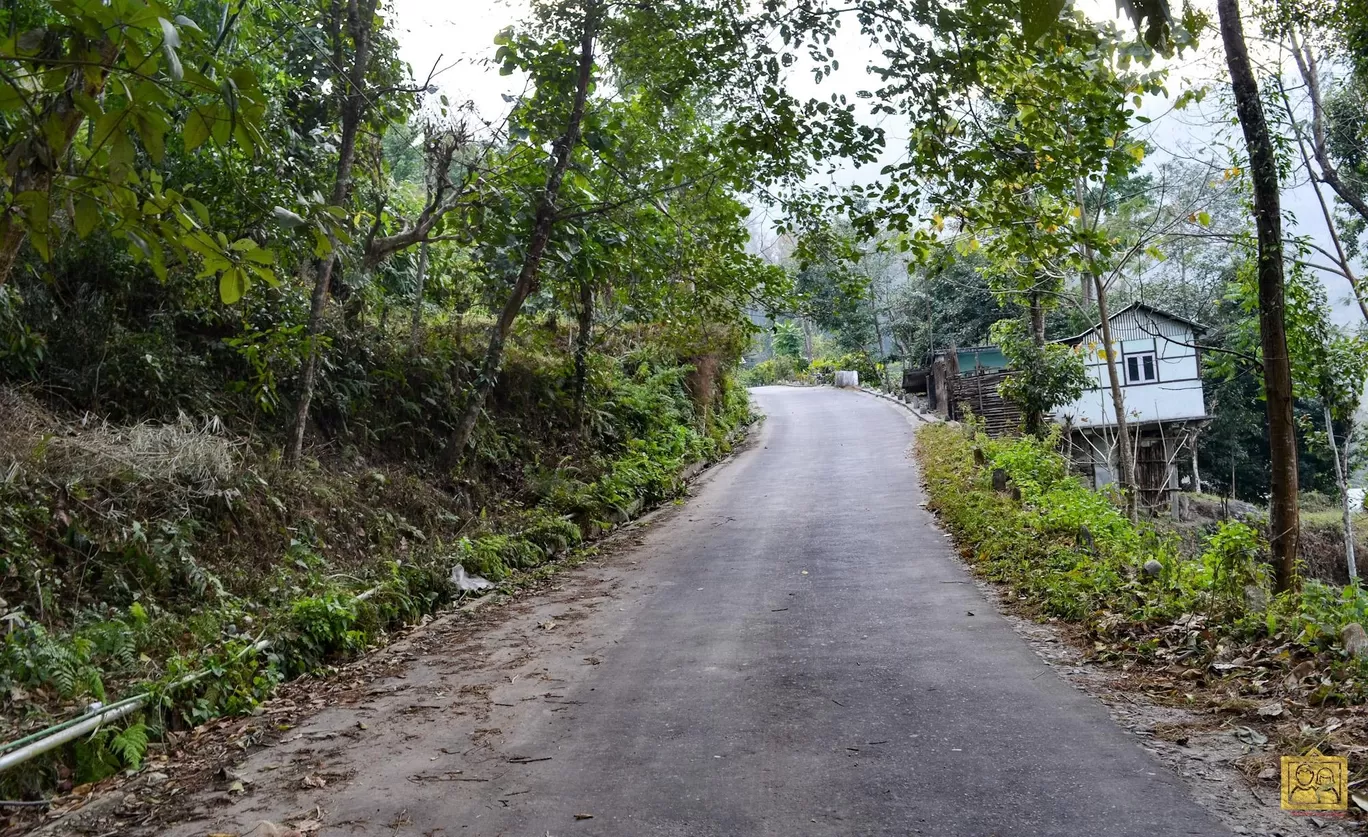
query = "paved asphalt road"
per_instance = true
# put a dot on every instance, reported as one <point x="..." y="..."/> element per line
<point x="803" y="667"/>
<point x="796" y="651"/>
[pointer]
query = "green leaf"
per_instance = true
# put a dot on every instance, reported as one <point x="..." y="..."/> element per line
<point x="36" y="210"/>
<point x="87" y="216"/>
<point x="286" y="218"/>
<point x="232" y="286"/>
<point x="153" y="135"/>
<point x="260" y="256"/>
<point x="1038" y="17"/>
<point x="39" y="240"/>
<point x="201" y="211"/>
<point x="158" y="262"/>
<point x="131" y="745"/>
<point x="196" y="130"/>
<point x="322" y="246"/>
<point x="265" y="274"/>
<point x="121" y="153"/>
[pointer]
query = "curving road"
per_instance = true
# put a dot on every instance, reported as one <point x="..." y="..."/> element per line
<point x="795" y="651"/>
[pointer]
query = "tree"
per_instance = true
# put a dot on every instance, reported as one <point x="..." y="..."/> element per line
<point x="1284" y="525"/>
<point x="1297" y="24"/>
<point x="1008" y="153"/>
<point x="133" y="74"/>
<point x="1331" y="367"/>
<point x="359" y="28"/>
<point x="368" y="88"/>
<point x="656" y="57"/>
<point x="1046" y="376"/>
<point x="788" y="340"/>
<point x="947" y="301"/>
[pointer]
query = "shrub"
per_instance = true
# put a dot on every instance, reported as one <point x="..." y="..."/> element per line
<point x="1232" y="562"/>
<point x="776" y="370"/>
<point x="1315" y="501"/>
<point x="824" y="369"/>
<point x="1070" y="552"/>
<point x="131" y="578"/>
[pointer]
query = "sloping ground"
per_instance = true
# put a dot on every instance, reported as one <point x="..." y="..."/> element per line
<point x="1321" y="548"/>
<point x="132" y="555"/>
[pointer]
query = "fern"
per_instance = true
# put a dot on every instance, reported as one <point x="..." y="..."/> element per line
<point x="130" y="745"/>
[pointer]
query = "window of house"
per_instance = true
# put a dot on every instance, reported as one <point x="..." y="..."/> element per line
<point x="1140" y="368"/>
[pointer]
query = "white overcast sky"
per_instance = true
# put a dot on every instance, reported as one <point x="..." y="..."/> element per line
<point x="458" y="36"/>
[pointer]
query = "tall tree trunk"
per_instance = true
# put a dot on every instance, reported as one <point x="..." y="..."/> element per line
<point x="1035" y="419"/>
<point x="1342" y="482"/>
<point x="1093" y="277"/>
<point x="360" y="19"/>
<point x="1123" y="438"/>
<point x="1037" y="310"/>
<point x="542" y="226"/>
<point x="878" y="338"/>
<point x="583" y="340"/>
<point x="1284" y="526"/>
<point x="416" y="328"/>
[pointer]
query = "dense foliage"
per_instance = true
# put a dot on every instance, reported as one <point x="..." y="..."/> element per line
<point x="132" y="558"/>
<point x="1067" y="551"/>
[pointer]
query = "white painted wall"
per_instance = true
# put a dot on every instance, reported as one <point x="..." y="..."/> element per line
<point x="1176" y="393"/>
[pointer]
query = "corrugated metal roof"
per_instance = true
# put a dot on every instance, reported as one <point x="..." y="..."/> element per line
<point x="1138" y="321"/>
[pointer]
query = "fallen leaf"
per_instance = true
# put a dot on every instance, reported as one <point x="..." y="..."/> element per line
<point x="1298" y="674"/>
<point x="237" y="787"/>
<point x="1360" y="800"/>
<point x="314" y="782"/>
<point x="308" y="826"/>
<point x="547" y="625"/>
<point x="1270" y="710"/>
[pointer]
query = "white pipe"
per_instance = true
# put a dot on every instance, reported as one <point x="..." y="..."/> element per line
<point x="97" y="719"/>
<point x="115" y="711"/>
<point x="71" y="733"/>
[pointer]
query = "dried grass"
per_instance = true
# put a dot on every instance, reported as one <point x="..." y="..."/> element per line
<point x="197" y="455"/>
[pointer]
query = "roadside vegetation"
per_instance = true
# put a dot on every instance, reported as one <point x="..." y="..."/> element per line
<point x="1198" y="627"/>
<point x="138" y="555"/>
